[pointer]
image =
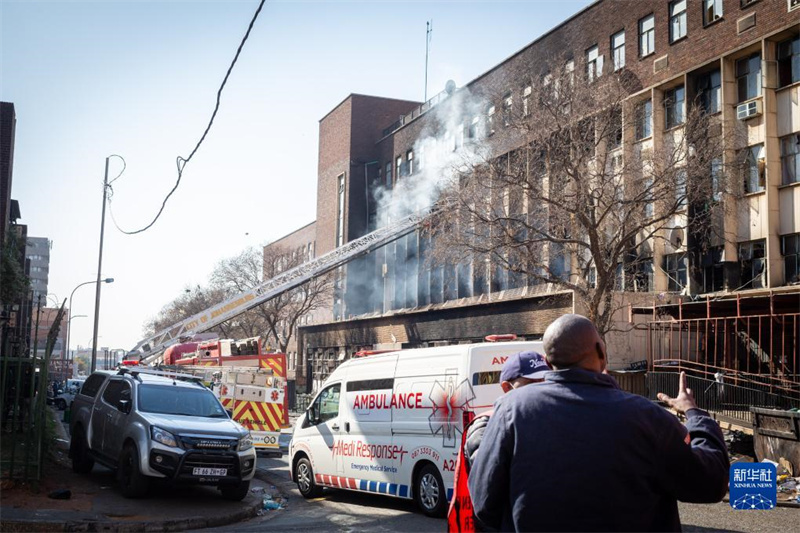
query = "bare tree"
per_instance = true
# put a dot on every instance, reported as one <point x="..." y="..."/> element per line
<point x="281" y="315"/>
<point x="565" y="191"/>
<point x="189" y="303"/>
<point x="275" y="320"/>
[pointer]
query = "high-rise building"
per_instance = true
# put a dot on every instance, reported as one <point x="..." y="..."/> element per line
<point x="37" y="251"/>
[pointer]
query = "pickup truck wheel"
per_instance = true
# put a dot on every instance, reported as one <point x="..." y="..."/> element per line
<point x="235" y="492"/>
<point x="82" y="462"/>
<point x="133" y="483"/>
<point x="61" y="404"/>
<point x="304" y="476"/>
<point x="429" y="491"/>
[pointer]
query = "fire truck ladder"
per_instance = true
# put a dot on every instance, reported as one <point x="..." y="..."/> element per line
<point x="151" y="348"/>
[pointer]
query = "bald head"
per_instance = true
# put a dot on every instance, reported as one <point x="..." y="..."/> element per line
<point x="572" y="340"/>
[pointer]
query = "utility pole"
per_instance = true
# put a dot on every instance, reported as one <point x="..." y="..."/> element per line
<point x="428" y="32"/>
<point x="99" y="272"/>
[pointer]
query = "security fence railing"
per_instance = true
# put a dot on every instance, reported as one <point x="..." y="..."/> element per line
<point x="23" y="409"/>
<point x="728" y="402"/>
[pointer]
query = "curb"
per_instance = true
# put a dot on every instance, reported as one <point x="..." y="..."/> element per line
<point x="91" y="524"/>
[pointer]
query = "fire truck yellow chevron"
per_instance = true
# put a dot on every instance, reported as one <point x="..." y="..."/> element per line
<point x="259" y="416"/>
<point x="275" y="365"/>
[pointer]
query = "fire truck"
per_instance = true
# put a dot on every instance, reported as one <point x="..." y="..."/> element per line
<point x="249" y="382"/>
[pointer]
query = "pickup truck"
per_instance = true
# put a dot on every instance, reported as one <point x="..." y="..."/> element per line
<point x="157" y="425"/>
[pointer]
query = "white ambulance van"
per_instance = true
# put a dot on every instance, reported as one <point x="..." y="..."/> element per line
<point x="391" y="423"/>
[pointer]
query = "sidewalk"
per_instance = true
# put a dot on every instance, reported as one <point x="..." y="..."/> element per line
<point x="96" y="503"/>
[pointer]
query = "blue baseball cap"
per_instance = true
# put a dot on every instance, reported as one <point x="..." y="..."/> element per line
<point x="530" y="365"/>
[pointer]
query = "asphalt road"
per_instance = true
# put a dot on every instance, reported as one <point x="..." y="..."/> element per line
<point x="353" y="511"/>
<point x="335" y="510"/>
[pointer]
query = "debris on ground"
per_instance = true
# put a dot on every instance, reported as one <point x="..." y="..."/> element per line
<point x="270" y="503"/>
<point x="740" y="443"/>
<point x="60" y="494"/>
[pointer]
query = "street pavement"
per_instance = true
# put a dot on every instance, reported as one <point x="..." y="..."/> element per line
<point x="352" y="511"/>
<point x="334" y="510"/>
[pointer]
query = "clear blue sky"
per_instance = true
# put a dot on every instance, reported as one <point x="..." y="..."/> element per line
<point x="139" y="79"/>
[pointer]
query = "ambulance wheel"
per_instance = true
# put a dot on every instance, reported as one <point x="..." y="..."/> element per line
<point x="429" y="491"/>
<point x="304" y="476"/>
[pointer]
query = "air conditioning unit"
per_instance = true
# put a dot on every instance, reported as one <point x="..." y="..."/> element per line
<point x="749" y="110"/>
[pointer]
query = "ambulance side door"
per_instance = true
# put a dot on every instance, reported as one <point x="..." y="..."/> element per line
<point x="322" y="428"/>
<point x="367" y="451"/>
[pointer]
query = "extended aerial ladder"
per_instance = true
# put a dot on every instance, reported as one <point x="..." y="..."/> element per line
<point x="151" y="348"/>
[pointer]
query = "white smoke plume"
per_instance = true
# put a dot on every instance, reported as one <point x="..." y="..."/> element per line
<point x="443" y="149"/>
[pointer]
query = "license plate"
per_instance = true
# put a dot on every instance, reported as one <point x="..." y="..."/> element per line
<point x="210" y="471"/>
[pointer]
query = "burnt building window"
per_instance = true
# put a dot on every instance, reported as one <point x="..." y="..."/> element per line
<point x="507" y="105"/>
<point x="790" y="250"/>
<point x="789" y="61"/>
<point x="673" y="107"/>
<point x="790" y="158"/>
<point x="675" y="269"/>
<point x="389" y="175"/>
<point x="490" y="120"/>
<point x="754" y="169"/>
<point x="410" y="162"/>
<point x="644" y="120"/>
<point x="753" y="263"/>
<point x="748" y="77"/>
<point x="398" y="167"/>
<point x="712" y="269"/>
<point x="709" y="88"/>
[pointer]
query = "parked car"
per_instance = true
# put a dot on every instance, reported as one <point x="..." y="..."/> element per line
<point x="158" y="425"/>
<point x="63" y="399"/>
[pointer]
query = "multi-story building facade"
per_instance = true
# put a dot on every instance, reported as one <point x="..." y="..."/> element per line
<point x="737" y="59"/>
<point x="37" y="251"/>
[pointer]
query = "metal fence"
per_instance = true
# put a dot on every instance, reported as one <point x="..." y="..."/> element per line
<point x="23" y="409"/>
<point x="728" y="402"/>
<point x="759" y="353"/>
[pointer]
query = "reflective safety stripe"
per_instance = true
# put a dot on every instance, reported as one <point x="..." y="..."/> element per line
<point x="379" y="487"/>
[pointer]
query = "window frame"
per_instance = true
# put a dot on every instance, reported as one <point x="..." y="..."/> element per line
<point x="618" y="51"/>
<point x="786" y="156"/>
<point x="639" y="125"/>
<point x="793" y="59"/>
<point x="707" y="92"/>
<point x="647" y="36"/>
<point x="792" y="257"/>
<point x="710" y="6"/>
<point x="750" y="247"/>
<point x="740" y="76"/>
<point x="594" y="63"/>
<point x="674" y="107"/>
<point x="754" y="169"/>
<point x="679" y="275"/>
<point x="680" y="15"/>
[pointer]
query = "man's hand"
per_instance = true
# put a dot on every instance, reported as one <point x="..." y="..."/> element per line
<point x="683" y="401"/>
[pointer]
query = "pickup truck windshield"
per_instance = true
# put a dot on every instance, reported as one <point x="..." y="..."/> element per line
<point x="171" y="400"/>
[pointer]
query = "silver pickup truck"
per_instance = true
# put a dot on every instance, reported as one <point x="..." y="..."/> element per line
<point x="149" y="425"/>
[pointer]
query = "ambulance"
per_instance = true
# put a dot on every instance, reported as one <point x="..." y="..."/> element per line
<point x="391" y="423"/>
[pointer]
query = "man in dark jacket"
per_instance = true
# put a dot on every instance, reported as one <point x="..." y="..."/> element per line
<point x="577" y="453"/>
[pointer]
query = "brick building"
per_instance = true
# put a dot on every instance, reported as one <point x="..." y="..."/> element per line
<point x="740" y="59"/>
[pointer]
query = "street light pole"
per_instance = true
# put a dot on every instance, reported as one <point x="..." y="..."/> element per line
<point x="99" y="271"/>
<point x="69" y="311"/>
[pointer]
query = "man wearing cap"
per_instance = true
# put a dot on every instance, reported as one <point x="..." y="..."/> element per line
<point x="576" y="453"/>
<point x="518" y="370"/>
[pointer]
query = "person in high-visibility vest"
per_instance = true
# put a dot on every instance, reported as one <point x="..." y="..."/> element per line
<point x="518" y="370"/>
